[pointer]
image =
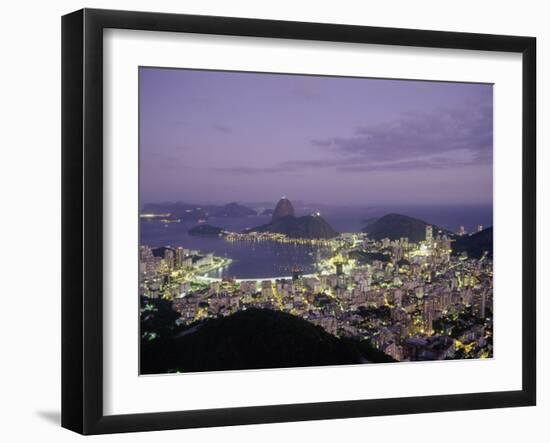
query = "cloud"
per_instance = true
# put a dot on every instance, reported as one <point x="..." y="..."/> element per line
<point x="443" y="139"/>
<point x="419" y="134"/>
<point x="431" y="163"/>
<point x="356" y="164"/>
<point x="238" y="170"/>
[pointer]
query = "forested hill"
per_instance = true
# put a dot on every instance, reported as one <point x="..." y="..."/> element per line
<point x="253" y="339"/>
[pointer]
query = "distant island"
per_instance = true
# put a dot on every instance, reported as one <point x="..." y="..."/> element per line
<point x="205" y="230"/>
<point x="285" y="222"/>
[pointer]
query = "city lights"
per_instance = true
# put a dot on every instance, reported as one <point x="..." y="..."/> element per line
<point x="412" y="301"/>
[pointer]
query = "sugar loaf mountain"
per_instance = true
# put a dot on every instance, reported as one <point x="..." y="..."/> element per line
<point x="284" y="221"/>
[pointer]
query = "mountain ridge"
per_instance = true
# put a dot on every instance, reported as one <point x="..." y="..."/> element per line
<point x="395" y="226"/>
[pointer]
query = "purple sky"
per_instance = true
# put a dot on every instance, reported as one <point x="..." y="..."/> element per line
<point x="216" y="137"/>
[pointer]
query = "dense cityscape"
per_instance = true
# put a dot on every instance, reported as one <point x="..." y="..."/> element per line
<point x="411" y="300"/>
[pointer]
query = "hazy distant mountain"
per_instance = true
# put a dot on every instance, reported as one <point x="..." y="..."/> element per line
<point x="309" y="226"/>
<point x="253" y="339"/>
<point x="206" y="229"/>
<point x="476" y="244"/>
<point x="234" y="210"/>
<point x="395" y="226"/>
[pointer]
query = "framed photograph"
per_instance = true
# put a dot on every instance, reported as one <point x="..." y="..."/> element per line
<point x="268" y="221"/>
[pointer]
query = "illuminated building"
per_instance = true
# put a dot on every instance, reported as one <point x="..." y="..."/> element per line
<point x="267" y="289"/>
<point x="397" y="297"/>
<point x="180" y="257"/>
<point x="145" y="253"/>
<point x="248" y="287"/>
<point x="169" y="258"/>
<point x="480" y="304"/>
<point x="313" y="284"/>
<point x="428" y="323"/>
<point x="429" y="234"/>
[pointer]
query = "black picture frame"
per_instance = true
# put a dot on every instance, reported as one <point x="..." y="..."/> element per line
<point x="82" y="218"/>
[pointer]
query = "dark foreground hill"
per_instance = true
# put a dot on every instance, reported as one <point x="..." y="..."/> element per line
<point x="309" y="226"/>
<point x="395" y="226"/>
<point x="253" y="339"/>
<point x="475" y="245"/>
